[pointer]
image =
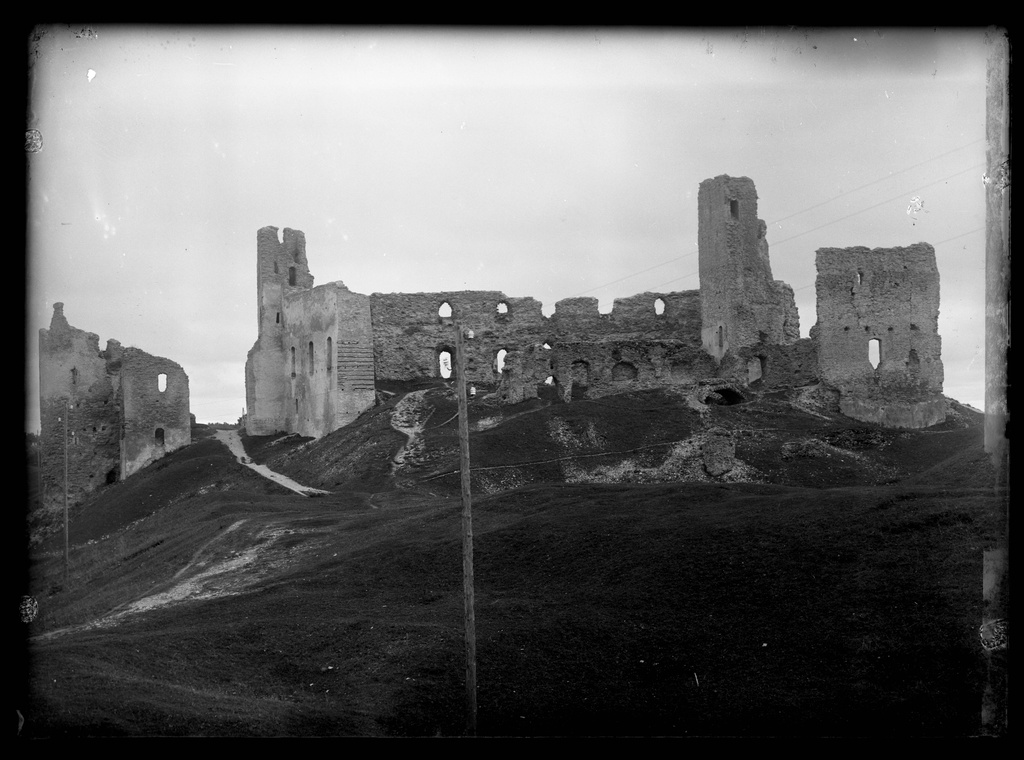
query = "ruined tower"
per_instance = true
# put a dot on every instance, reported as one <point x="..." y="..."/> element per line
<point x="281" y="268"/>
<point x="885" y="303"/>
<point x="741" y="305"/>
<point x="114" y="411"/>
<point x="311" y="368"/>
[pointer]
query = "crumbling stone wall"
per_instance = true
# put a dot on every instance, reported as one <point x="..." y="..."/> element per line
<point x="155" y="409"/>
<point x="591" y="369"/>
<point x="742" y="326"/>
<point x="889" y="296"/>
<point x="98" y="394"/>
<point x="771" y="365"/>
<point x="281" y="270"/>
<point x="329" y="344"/>
<point x="410" y="334"/>
<point x="311" y="369"/>
<point x="741" y="304"/>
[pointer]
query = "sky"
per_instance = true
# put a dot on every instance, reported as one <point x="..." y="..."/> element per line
<point x="550" y="163"/>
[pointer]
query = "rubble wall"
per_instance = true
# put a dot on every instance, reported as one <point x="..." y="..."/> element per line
<point x="310" y="318"/>
<point x="78" y="395"/>
<point x="769" y="365"/>
<point x="590" y="369"/>
<point x="112" y="408"/>
<point x="741" y="304"/>
<point x="889" y="296"/>
<point x="355" y="373"/>
<point x="156" y="422"/>
<point x="886" y="294"/>
<point x="409" y="333"/>
<point x="282" y="271"/>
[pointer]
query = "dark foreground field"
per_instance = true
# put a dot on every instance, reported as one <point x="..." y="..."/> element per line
<point x="206" y="601"/>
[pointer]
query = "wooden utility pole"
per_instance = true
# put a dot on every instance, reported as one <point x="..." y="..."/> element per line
<point x="66" y="412"/>
<point x="467" y="534"/>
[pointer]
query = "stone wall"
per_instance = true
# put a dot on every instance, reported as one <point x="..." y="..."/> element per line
<point x="410" y="334"/>
<point x="411" y="330"/>
<point x="328" y="346"/>
<point x="889" y="296"/>
<point x="155" y="409"/>
<point x="281" y="271"/>
<point x="310" y="370"/>
<point x="741" y="304"/>
<point x="101" y="397"/>
<point x="742" y="326"/>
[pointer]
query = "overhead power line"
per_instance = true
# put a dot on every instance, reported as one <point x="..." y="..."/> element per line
<point x="777" y="243"/>
<point x="809" y="208"/>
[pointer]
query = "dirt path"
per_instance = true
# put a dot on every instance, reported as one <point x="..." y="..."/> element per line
<point x="408" y="418"/>
<point x="231" y="439"/>
<point x="214" y="570"/>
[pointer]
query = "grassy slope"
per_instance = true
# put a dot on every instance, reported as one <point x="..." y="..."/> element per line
<point x="627" y="608"/>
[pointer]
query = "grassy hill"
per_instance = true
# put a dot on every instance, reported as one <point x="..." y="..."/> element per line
<point x="828" y="584"/>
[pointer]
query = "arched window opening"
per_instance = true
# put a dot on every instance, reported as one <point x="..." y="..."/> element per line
<point x="734" y="208"/>
<point x="291" y="275"/>
<point x="74" y="376"/>
<point x="161" y="382"/>
<point x="550" y="380"/>
<point x="444" y="311"/>
<point x="547" y="346"/>
<point x="874" y="352"/>
<point x="444" y="363"/>
<point x="860" y="276"/>
<point x="659" y="306"/>
<point x="499" y="360"/>
<point x="276" y="270"/>
<point x="721" y="336"/>
<point x="502" y="308"/>
<point x="330" y="354"/>
<point x="623" y="372"/>
<point x="293" y="361"/>
<point x="159" y="436"/>
<point x="311" y="365"/>
<point x="278" y="320"/>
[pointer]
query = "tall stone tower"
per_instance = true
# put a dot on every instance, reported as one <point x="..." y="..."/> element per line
<point x="886" y="299"/>
<point x="106" y="414"/>
<point x="281" y="269"/>
<point x="311" y="369"/>
<point x="741" y="305"/>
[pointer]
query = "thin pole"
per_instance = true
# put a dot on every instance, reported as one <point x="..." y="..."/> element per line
<point x="66" y="412"/>
<point x="467" y="534"/>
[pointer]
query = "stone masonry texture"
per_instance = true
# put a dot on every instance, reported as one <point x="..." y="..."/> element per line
<point x="320" y="351"/>
<point x="107" y="406"/>
<point x="888" y="297"/>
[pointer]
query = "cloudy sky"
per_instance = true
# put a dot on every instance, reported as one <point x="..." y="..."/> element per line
<point x="537" y="162"/>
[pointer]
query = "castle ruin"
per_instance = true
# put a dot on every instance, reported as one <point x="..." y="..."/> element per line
<point x="888" y="297"/>
<point x="112" y="411"/>
<point x="320" y="351"/>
